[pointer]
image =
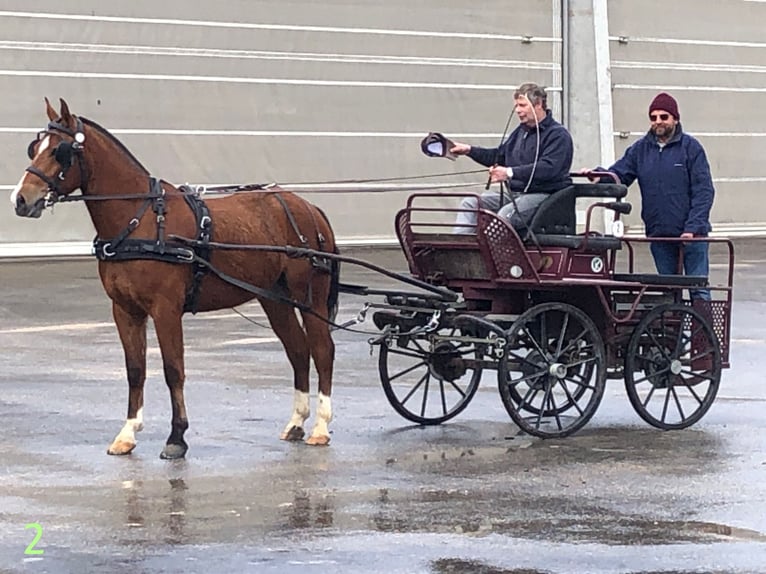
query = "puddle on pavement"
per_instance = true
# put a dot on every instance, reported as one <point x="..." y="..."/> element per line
<point x="554" y="520"/>
<point x="676" y="453"/>
<point x="458" y="566"/>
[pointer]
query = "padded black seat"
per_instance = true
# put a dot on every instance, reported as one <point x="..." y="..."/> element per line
<point x="556" y="214"/>
<point x="654" y="279"/>
<point x="595" y="244"/>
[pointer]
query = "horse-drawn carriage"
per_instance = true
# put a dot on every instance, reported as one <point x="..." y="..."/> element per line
<point x="548" y="309"/>
<point x="550" y="312"/>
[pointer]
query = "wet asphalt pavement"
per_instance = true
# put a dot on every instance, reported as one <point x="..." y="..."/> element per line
<point x="472" y="495"/>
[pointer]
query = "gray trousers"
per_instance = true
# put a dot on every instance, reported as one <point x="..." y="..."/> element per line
<point x="518" y="212"/>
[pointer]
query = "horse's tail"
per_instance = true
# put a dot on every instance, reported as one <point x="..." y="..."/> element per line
<point x="332" y="297"/>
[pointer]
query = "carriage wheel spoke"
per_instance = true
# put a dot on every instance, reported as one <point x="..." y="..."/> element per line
<point x="649" y="396"/>
<point x="570" y="397"/>
<point x="647" y="377"/>
<point x="414" y="389"/>
<point x="575" y="342"/>
<point x="457" y="388"/>
<point x="536" y="344"/>
<point x="561" y="336"/>
<point x="427" y="378"/>
<point x="444" y="396"/>
<point x="403" y="353"/>
<point x="536" y="375"/>
<point x="695" y="395"/>
<point x="665" y="406"/>
<point x="699" y="375"/>
<point x="672" y="389"/>
<point x="407" y="370"/>
<point x="546" y="398"/>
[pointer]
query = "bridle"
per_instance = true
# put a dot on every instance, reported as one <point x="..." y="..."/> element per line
<point x="64" y="154"/>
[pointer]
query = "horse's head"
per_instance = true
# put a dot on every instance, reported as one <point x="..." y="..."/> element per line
<point x="53" y="152"/>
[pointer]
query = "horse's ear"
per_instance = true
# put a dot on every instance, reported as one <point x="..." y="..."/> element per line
<point x="52" y="115"/>
<point x="65" y="115"/>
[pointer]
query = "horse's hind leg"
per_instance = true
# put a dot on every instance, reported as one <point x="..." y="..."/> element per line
<point x="323" y="353"/>
<point x="168" y="325"/>
<point x="132" y="331"/>
<point x="285" y="324"/>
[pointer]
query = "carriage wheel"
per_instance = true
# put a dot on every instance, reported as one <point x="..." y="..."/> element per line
<point x="672" y="367"/>
<point x="430" y="381"/>
<point x="553" y="373"/>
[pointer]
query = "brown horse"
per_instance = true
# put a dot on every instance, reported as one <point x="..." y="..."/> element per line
<point x="149" y="270"/>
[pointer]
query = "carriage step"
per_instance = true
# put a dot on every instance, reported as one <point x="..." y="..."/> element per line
<point x="655" y="279"/>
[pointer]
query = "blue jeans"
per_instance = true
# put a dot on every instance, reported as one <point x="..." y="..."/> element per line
<point x="696" y="262"/>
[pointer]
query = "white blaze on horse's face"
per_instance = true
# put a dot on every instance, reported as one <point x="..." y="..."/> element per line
<point x="40" y="149"/>
<point x="43" y="146"/>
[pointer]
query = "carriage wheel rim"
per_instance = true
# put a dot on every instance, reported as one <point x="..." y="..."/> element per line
<point x="583" y="373"/>
<point x="680" y="401"/>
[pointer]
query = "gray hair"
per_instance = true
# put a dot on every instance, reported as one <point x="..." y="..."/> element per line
<point x="536" y="94"/>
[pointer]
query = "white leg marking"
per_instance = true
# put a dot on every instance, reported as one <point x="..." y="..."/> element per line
<point x="132" y="426"/>
<point x="321" y="432"/>
<point x="301" y="411"/>
<point x="125" y="441"/>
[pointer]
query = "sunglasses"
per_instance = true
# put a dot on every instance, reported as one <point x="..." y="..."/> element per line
<point x="658" y="117"/>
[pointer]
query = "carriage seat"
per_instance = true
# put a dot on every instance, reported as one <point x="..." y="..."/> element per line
<point x="595" y="243"/>
<point x="554" y="224"/>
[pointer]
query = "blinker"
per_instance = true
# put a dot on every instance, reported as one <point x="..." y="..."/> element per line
<point x="63" y="154"/>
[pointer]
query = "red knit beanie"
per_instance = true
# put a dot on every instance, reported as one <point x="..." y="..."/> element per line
<point x="666" y="103"/>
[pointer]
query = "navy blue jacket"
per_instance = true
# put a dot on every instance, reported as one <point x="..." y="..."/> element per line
<point x="676" y="185"/>
<point x="518" y="152"/>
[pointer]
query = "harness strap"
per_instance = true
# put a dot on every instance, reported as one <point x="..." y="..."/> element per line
<point x="201" y="248"/>
<point x="265" y="293"/>
<point x="292" y="221"/>
<point x="132" y="249"/>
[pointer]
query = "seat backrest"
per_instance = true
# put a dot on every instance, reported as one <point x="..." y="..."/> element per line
<point x="556" y="214"/>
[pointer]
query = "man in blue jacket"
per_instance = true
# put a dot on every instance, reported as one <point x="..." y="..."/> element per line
<point x="532" y="163"/>
<point x="676" y="190"/>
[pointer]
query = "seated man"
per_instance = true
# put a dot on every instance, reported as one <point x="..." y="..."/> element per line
<point x="532" y="163"/>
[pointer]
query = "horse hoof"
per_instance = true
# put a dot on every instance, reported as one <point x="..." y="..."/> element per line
<point x="318" y="440"/>
<point x="293" y="434"/>
<point x="173" y="451"/>
<point x="120" y="448"/>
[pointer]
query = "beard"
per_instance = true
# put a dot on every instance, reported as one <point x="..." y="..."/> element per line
<point x="663" y="132"/>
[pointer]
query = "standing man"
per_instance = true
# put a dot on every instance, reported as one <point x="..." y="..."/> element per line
<point x="532" y="163"/>
<point x="676" y="190"/>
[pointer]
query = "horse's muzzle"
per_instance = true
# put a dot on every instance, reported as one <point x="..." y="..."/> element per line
<point x="34" y="210"/>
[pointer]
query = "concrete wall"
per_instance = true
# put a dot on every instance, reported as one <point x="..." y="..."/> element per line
<point x="302" y="92"/>
<point x="270" y="90"/>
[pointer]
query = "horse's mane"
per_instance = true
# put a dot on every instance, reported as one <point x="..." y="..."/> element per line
<point x="118" y="143"/>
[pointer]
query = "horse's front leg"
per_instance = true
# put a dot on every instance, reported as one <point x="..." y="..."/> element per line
<point x="132" y="331"/>
<point x="169" y="329"/>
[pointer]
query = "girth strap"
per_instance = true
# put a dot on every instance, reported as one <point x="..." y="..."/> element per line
<point x="202" y="247"/>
